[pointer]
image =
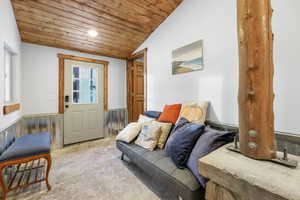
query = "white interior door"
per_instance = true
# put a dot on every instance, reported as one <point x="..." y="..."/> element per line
<point x="83" y="117"/>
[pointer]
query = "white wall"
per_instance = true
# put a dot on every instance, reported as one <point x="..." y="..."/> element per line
<point x="9" y="34"/>
<point x="40" y="79"/>
<point x="214" y="21"/>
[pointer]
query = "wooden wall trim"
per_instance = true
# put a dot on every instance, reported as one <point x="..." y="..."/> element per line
<point x="105" y="95"/>
<point x="61" y="85"/>
<point x="61" y="59"/>
<point x="138" y="54"/>
<point x="90" y="60"/>
<point x="145" y="79"/>
<point x="11" y="108"/>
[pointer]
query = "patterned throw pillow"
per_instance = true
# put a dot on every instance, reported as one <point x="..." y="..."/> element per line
<point x="165" y="131"/>
<point x="194" y="111"/>
<point x="130" y="132"/>
<point x="148" y="137"/>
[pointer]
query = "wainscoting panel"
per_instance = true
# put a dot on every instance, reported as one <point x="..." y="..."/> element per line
<point x="44" y="123"/>
<point x="115" y="120"/>
<point x="8" y="135"/>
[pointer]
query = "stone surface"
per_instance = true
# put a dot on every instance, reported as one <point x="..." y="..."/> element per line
<point x="251" y="179"/>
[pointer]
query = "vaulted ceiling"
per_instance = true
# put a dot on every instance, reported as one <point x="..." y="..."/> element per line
<point x="122" y="25"/>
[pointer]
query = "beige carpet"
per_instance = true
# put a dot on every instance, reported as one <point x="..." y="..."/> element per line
<point x="89" y="171"/>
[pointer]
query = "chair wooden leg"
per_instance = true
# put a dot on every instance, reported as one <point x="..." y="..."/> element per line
<point x="2" y="184"/>
<point x="49" y="162"/>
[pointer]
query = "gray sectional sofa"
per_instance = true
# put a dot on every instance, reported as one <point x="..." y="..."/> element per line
<point x="161" y="167"/>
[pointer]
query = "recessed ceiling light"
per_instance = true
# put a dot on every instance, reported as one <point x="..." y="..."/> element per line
<point x="92" y="33"/>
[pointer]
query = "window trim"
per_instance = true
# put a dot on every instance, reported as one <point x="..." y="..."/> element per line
<point x="12" y="74"/>
<point x="12" y="105"/>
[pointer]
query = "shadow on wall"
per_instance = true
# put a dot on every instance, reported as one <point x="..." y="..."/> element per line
<point x="211" y="114"/>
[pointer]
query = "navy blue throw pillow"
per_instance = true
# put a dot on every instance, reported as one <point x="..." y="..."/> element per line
<point x="183" y="141"/>
<point x="152" y="114"/>
<point x="209" y="141"/>
<point x="181" y="123"/>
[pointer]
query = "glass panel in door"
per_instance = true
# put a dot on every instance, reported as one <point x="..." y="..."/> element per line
<point x="84" y="85"/>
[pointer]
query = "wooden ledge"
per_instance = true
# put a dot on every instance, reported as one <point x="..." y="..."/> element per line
<point x="11" y="108"/>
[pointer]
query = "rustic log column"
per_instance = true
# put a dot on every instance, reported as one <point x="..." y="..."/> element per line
<point x="256" y="116"/>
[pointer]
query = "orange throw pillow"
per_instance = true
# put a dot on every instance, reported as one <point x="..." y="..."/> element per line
<point x="170" y="113"/>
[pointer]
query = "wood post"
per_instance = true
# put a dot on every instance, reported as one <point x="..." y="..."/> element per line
<point x="256" y="116"/>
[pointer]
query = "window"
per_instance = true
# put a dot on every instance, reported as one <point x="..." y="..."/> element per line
<point x="84" y="85"/>
<point x="8" y="75"/>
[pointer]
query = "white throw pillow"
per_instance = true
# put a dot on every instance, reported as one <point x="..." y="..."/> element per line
<point x="130" y="132"/>
<point x="145" y="120"/>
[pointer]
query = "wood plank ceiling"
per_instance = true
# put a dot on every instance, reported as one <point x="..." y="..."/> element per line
<point x="122" y="25"/>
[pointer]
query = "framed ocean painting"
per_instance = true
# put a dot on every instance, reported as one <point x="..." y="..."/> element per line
<point x="188" y="58"/>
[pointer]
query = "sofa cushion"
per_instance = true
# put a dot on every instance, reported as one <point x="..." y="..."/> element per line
<point x="170" y="113"/>
<point x="163" y="171"/>
<point x="131" y="147"/>
<point x="28" y="145"/>
<point x="194" y="111"/>
<point x="143" y="119"/>
<point x="149" y="137"/>
<point x="130" y="132"/>
<point x="210" y="140"/>
<point x="181" y="122"/>
<point x="183" y="141"/>
<point x="154" y="156"/>
<point x="165" y="129"/>
<point x="152" y="114"/>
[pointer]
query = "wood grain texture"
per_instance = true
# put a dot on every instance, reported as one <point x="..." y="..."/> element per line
<point x="121" y="25"/>
<point x="129" y="78"/>
<point x="61" y="59"/>
<point x="256" y="115"/>
<point x="20" y="173"/>
<point x="105" y="80"/>
<point x="136" y="85"/>
<point x="7" y="109"/>
<point x="138" y="90"/>
<point x="61" y="85"/>
<point x="78" y="58"/>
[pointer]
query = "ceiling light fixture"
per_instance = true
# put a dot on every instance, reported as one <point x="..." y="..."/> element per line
<point x="92" y="33"/>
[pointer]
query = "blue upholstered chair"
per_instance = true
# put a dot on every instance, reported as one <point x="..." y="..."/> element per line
<point x="25" y="149"/>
